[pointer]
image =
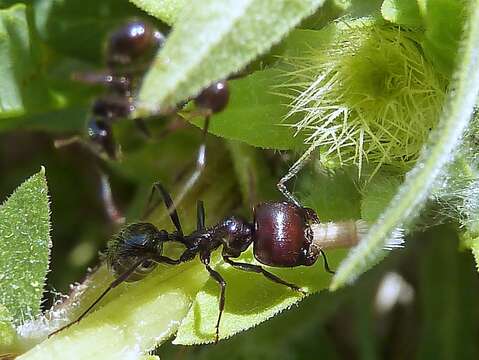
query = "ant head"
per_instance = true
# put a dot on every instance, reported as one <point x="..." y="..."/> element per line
<point x="238" y="235"/>
<point x="215" y="97"/>
<point x="101" y="135"/>
<point x="135" y="41"/>
<point x="135" y="241"/>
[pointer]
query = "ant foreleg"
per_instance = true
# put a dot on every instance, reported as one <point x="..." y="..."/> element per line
<point x="200" y="215"/>
<point x="259" y="270"/>
<point x="293" y="171"/>
<point x="168" y="203"/>
<point x="112" y="285"/>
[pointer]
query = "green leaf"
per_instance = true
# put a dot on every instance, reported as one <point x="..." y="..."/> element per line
<point x="377" y="195"/>
<point x="448" y="287"/>
<point x="439" y="151"/>
<point x="166" y="10"/>
<point x="8" y="334"/>
<point x="135" y="318"/>
<point x="250" y="299"/>
<point x="255" y="113"/>
<point x="24" y="248"/>
<point x="212" y="39"/>
<point x="23" y="88"/>
<point x="444" y="21"/>
<point x="402" y="12"/>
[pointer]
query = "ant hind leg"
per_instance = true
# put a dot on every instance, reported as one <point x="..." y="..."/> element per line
<point x="259" y="270"/>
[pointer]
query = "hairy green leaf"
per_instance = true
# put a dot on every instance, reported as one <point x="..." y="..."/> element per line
<point x="138" y="316"/>
<point x="166" y="10"/>
<point x="212" y="39"/>
<point x="24" y="248"/>
<point x="413" y="193"/>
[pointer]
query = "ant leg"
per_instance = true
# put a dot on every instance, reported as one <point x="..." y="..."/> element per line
<point x="102" y="78"/>
<point x="326" y="265"/>
<point x="112" y="285"/>
<point x="168" y="203"/>
<point x="293" y="171"/>
<point x="200" y="215"/>
<point x="258" y="269"/>
<point x="200" y="166"/>
<point x="111" y="209"/>
<point x="165" y="260"/>
<point x="222" y="283"/>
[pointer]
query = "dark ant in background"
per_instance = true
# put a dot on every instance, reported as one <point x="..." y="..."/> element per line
<point x="129" y="51"/>
<point x="283" y="235"/>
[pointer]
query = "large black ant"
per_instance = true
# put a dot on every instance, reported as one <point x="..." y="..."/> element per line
<point x="281" y="233"/>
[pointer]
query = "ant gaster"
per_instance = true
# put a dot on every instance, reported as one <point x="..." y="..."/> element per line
<point x="280" y="233"/>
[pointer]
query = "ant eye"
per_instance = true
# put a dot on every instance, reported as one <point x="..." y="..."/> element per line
<point x="215" y="97"/>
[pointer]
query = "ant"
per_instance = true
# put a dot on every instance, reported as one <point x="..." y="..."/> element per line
<point x="129" y="52"/>
<point x="280" y="233"/>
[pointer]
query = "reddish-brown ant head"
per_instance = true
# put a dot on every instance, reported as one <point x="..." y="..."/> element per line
<point x="215" y="97"/>
<point x="238" y="235"/>
<point x="281" y="235"/>
<point x="133" y="42"/>
<point x="131" y="244"/>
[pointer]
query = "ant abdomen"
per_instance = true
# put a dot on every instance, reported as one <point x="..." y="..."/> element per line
<point x="133" y="43"/>
<point x="282" y="237"/>
<point x="130" y="245"/>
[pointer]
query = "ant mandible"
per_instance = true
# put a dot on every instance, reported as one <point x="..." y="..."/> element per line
<point x="281" y="234"/>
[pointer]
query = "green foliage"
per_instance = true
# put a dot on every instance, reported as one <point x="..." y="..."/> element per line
<point x="264" y="113"/>
<point x="166" y="10"/>
<point x="42" y="42"/>
<point x="419" y="182"/>
<point x="24" y="248"/>
<point x="213" y="39"/>
<point x="23" y="88"/>
<point x="404" y="12"/>
<point x="442" y="20"/>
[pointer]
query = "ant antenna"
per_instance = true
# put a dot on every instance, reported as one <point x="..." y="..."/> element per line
<point x="293" y="171"/>
<point x="112" y="285"/>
